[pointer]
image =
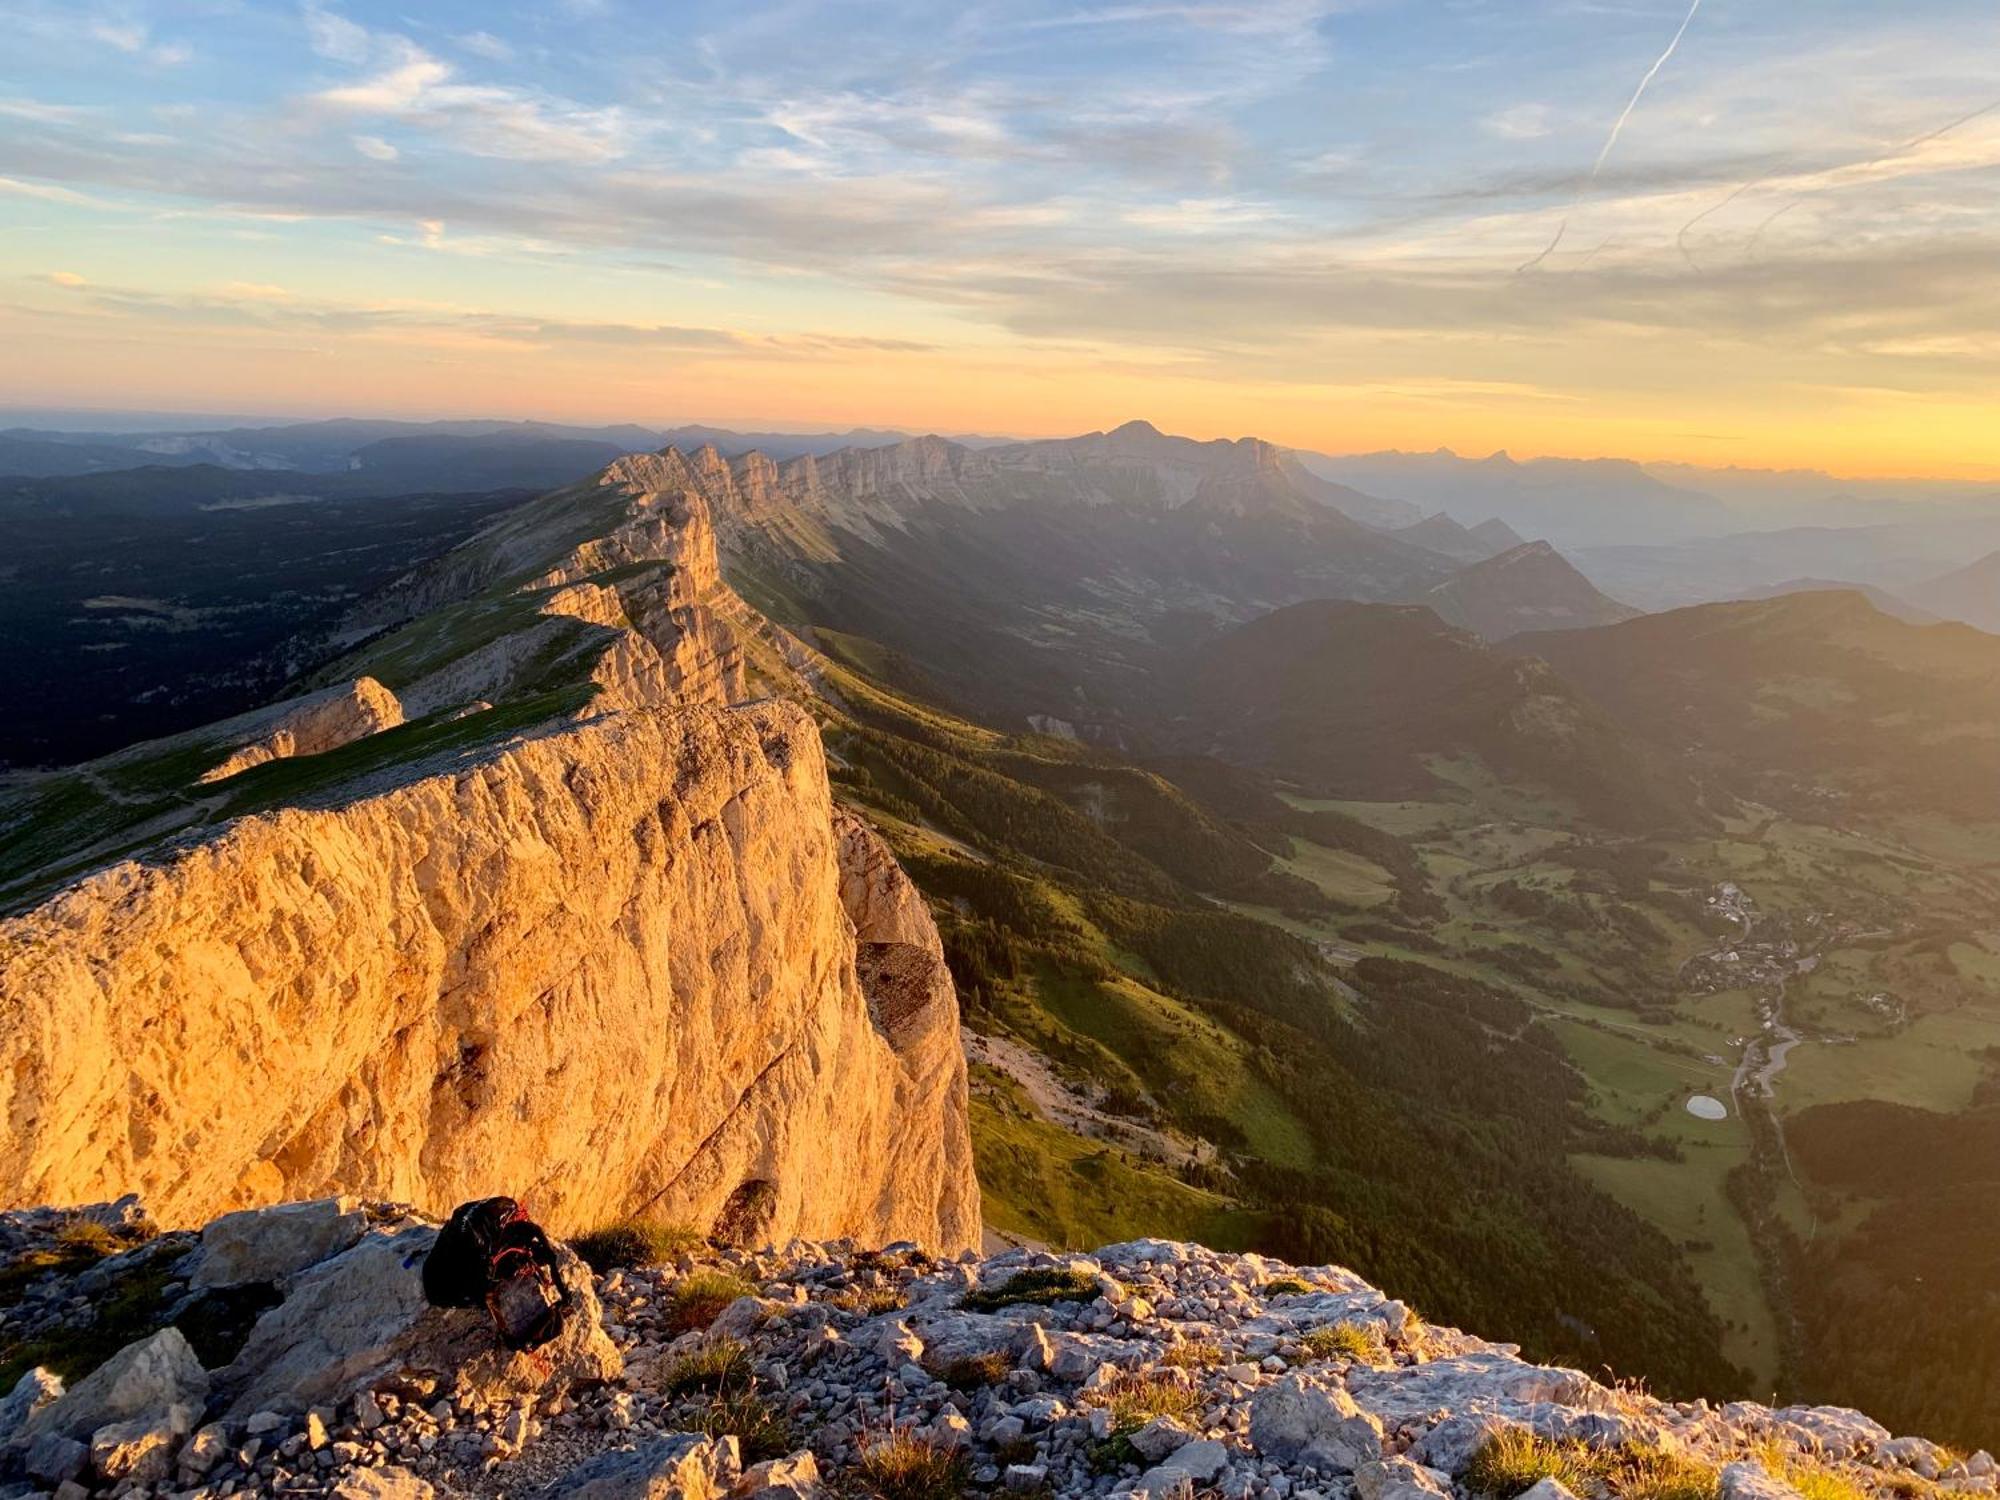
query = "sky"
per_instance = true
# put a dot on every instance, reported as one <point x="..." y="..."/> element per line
<point x="1755" y="232"/>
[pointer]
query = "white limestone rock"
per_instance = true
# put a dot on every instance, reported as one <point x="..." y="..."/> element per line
<point x="144" y="1381"/>
<point x="265" y="1244"/>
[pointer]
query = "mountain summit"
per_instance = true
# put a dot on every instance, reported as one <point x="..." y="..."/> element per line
<point x="1529" y="587"/>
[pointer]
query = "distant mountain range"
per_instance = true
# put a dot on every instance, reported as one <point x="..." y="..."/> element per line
<point x="1606" y="502"/>
<point x="1047" y="581"/>
<point x="1571" y="502"/>
<point x="421" y="453"/>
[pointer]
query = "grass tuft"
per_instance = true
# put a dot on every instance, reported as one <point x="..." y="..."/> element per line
<point x="87" y="1238"/>
<point x="1134" y="1400"/>
<point x="697" y="1300"/>
<point x="869" y="1301"/>
<point x="1654" y="1474"/>
<point x="905" y="1466"/>
<point x="976" y="1371"/>
<point x="1192" y="1354"/>
<point x="1038" y="1287"/>
<point x="1811" y="1476"/>
<point x="1516" y="1460"/>
<point x="709" y="1368"/>
<point x="1360" y="1342"/>
<point x="1288" y="1286"/>
<point x="760" y="1429"/>
<point x="635" y="1242"/>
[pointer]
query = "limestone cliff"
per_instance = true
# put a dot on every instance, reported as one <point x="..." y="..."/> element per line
<point x="606" y="946"/>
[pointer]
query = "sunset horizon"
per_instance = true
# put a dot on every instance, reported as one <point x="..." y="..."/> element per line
<point x="1663" y="232"/>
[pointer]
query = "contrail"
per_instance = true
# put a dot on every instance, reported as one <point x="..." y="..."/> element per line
<point x="1750" y="250"/>
<point x="1681" y="239"/>
<point x="1863" y="165"/>
<point x="1617" y="130"/>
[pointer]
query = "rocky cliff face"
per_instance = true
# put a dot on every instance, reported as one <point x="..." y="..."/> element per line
<point x="616" y="954"/>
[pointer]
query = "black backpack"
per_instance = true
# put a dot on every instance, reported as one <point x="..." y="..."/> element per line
<point x="490" y="1254"/>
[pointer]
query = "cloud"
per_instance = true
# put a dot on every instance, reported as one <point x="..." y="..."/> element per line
<point x="41" y="113"/>
<point x="335" y="37"/>
<point x="485" y="44"/>
<point x="1198" y="215"/>
<point x="397" y="89"/>
<point x="125" y="36"/>
<point x="413" y="86"/>
<point x="1519" y="122"/>
<point x="134" y="39"/>
<point x="246" y="307"/>
<point x="48" y="192"/>
<point x="375" y="148"/>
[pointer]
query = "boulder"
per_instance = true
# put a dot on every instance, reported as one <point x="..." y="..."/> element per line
<point x="1836" y="1431"/>
<point x="1450" y="1445"/>
<point x="203" y="1452"/>
<point x="33" y="1391"/>
<point x="265" y="1244"/>
<point x="141" y="1382"/>
<point x="53" y="1458"/>
<point x="1750" y="1481"/>
<point x="1404" y="1479"/>
<point x="359" y="1322"/>
<point x="792" y="1478"/>
<point x="949" y="1429"/>
<point x="1488" y="1380"/>
<point x="684" y="1466"/>
<point x="140" y="1451"/>
<point x="743" y="1317"/>
<point x="959" y="1336"/>
<point x="1192" y="1464"/>
<point x="1920" y="1456"/>
<point x="1548" y="1489"/>
<point x="1297" y="1420"/>
<point x="389" y="1483"/>
<point x="1159" y="1438"/>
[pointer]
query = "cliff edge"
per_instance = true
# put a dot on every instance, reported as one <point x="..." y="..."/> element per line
<point x="562" y="916"/>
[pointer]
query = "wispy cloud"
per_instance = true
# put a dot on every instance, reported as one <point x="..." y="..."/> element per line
<point x="1519" y="122"/>
<point x="135" y="39"/>
<point x="411" y="85"/>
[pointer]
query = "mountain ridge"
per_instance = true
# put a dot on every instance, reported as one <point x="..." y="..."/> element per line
<point x="560" y="822"/>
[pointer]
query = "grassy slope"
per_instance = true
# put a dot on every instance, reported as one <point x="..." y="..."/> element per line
<point x="1018" y="842"/>
<point x="1040" y="1181"/>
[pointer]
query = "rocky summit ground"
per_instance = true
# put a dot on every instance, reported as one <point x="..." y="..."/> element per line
<point x="288" y="1351"/>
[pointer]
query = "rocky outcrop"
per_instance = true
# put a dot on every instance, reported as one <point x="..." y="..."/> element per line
<point x="605" y="968"/>
<point x="358" y="1321"/>
<point x="1149" y="1368"/>
<point x="313" y="725"/>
